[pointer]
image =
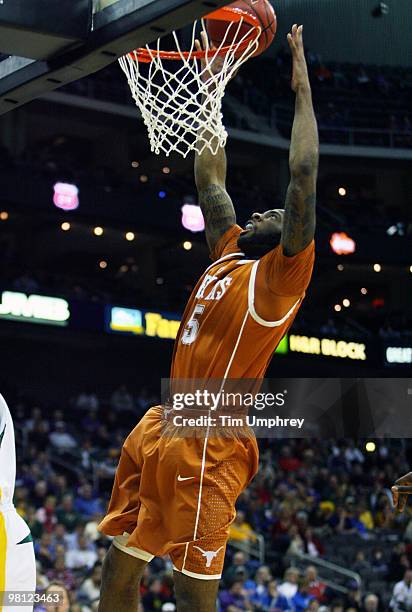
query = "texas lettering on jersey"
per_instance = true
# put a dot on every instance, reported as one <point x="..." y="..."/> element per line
<point x="239" y="311"/>
<point x="218" y="289"/>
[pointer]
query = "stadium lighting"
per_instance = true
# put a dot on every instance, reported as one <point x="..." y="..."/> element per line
<point x="346" y="303"/>
<point x="192" y="218"/>
<point x="4" y="215"/>
<point x="364" y="291"/>
<point x="98" y="231"/>
<point x="66" y="196"/>
<point x="377" y="267"/>
<point x="135" y="164"/>
<point x="342" y="191"/>
<point x="370" y="447"/>
<point x="144" y="178"/>
<point x="65" y="226"/>
<point x="187" y="245"/>
<point x="410" y="269"/>
<point x="103" y="264"/>
<point x="130" y="236"/>
<point x="166" y="170"/>
<point x="342" y="244"/>
<point x="338" y="307"/>
<point x="340" y="267"/>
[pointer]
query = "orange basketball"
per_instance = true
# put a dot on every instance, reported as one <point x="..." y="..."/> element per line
<point x="260" y="9"/>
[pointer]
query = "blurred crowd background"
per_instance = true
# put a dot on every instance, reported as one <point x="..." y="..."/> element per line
<point x="315" y="530"/>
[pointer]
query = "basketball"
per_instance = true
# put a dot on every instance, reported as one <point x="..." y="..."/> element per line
<point x="260" y="9"/>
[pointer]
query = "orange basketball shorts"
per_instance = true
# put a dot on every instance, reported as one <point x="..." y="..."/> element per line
<point x="176" y="495"/>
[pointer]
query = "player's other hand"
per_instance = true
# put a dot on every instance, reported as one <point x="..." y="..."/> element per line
<point x="212" y="64"/>
<point x="300" y="78"/>
<point x="400" y="499"/>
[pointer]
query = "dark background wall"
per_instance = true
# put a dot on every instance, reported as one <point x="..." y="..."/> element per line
<point x="345" y="31"/>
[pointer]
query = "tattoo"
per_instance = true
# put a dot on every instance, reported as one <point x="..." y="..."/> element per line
<point x="218" y="211"/>
<point x="299" y="221"/>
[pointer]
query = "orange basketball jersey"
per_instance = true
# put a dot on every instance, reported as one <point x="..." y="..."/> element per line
<point x="239" y="311"/>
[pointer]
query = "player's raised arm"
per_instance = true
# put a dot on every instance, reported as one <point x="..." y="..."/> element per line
<point x="300" y="215"/>
<point x="210" y="177"/>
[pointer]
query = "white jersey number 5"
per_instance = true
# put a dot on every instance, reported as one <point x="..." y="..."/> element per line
<point x="192" y="326"/>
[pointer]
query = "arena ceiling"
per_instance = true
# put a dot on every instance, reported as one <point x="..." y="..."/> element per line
<point x="348" y="31"/>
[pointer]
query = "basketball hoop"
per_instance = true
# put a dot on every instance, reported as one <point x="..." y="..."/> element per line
<point x="181" y="105"/>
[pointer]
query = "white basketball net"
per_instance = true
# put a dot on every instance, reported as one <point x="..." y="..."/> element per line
<point x="182" y="109"/>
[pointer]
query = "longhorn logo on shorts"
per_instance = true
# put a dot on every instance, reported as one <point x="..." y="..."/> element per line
<point x="209" y="554"/>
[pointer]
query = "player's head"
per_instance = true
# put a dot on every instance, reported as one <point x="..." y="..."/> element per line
<point x="262" y="233"/>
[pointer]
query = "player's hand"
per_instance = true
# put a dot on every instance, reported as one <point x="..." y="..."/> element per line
<point x="300" y="78"/>
<point x="400" y="499"/>
<point x="213" y="63"/>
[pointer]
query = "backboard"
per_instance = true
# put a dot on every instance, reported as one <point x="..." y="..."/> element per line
<point x="117" y="27"/>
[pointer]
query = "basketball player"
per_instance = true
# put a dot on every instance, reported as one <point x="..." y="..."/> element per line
<point x="400" y="499"/>
<point x="176" y="496"/>
<point x="17" y="563"/>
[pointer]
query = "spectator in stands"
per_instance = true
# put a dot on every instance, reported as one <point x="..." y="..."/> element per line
<point x="60" y="535"/>
<point x="90" y="530"/>
<point x="59" y="572"/>
<point x="378" y="563"/>
<point x="289" y="461"/>
<point x="61" y="439"/>
<point x="239" y="565"/>
<point x="56" y="590"/>
<point x="302" y="598"/>
<point x="316" y="587"/>
<point x="84" y="556"/>
<point x="90" y="589"/>
<point x="354" y="596"/>
<point x="66" y="513"/>
<point x="46" y="515"/>
<point x="289" y="586"/>
<point x="312" y="545"/>
<point x="240" y="530"/>
<point x="361" y="564"/>
<point x="39" y="493"/>
<point x="86" y="503"/>
<point x="297" y="545"/>
<point x="87" y="400"/>
<point x="44" y="550"/>
<point x="39" y="433"/>
<point x="353" y="454"/>
<point x="280" y="530"/>
<point x="371" y="603"/>
<point x="277" y="602"/>
<point x="402" y="594"/>
<point x="235" y="598"/>
<point x="365" y="516"/>
<point x="122" y="400"/>
<point x="257" y="589"/>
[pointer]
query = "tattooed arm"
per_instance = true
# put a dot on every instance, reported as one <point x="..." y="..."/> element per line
<point x="216" y="205"/>
<point x="300" y="215"/>
<point x="210" y="172"/>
